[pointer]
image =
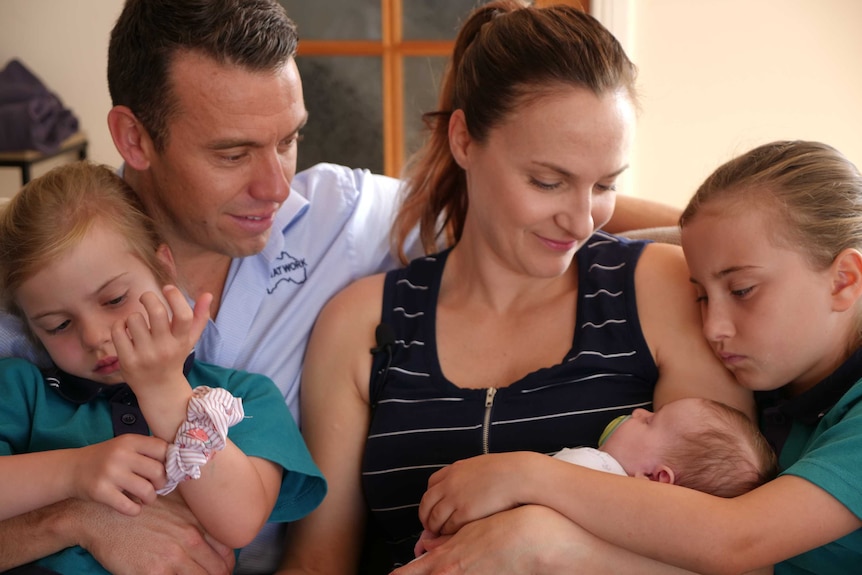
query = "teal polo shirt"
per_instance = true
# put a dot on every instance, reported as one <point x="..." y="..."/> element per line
<point x="819" y="438"/>
<point x="34" y="417"/>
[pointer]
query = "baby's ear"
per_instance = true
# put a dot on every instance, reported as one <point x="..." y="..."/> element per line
<point x="662" y="474"/>
<point x="846" y="279"/>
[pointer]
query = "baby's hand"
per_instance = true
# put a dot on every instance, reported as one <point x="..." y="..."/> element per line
<point x="153" y="348"/>
<point x="123" y="472"/>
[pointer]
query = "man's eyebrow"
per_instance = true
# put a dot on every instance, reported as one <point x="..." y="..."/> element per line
<point x="228" y="143"/>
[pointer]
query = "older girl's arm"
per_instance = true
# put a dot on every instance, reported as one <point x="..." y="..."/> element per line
<point x="667" y="523"/>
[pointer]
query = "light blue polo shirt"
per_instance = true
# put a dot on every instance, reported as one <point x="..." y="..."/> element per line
<point x="332" y="229"/>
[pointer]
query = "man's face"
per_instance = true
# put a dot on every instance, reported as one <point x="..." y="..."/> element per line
<point x="229" y="158"/>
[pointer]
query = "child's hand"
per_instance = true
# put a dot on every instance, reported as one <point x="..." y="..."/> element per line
<point x="123" y="472"/>
<point x="152" y="349"/>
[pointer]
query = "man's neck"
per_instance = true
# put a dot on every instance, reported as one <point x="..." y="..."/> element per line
<point x="203" y="273"/>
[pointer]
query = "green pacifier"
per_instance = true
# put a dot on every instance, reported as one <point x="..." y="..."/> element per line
<point x="611" y="427"/>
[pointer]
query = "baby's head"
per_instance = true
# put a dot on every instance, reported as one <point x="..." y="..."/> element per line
<point x="696" y="443"/>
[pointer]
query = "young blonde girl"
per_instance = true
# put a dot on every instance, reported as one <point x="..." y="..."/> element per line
<point x="86" y="272"/>
<point x="773" y="240"/>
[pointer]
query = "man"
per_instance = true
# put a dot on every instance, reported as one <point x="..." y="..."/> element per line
<point x="207" y="114"/>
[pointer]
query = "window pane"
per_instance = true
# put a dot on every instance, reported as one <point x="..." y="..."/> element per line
<point x="422" y="79"/>
<point x="435" y="19"/>
<point x="344" y="99"/>
<point x="328" y="20"/>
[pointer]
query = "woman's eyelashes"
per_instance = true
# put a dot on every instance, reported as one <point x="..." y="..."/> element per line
<point x="545" y="185"/>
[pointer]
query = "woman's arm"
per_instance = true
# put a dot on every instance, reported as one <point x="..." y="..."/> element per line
<point x="670" y="320"/>
<point x="530" y="539"/>
<point x="335" y="418"/>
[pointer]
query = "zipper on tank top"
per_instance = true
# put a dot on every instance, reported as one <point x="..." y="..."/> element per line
<point x="486" y="428"/>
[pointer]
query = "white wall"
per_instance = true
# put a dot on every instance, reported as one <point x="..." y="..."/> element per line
<point x="65" y="43"/>
<point x="716" y="77"/>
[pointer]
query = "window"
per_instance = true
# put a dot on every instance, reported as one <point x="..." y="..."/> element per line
<point x="370" y="69"/>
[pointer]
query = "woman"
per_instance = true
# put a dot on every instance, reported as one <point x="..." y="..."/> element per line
<point x="532" y="330"/>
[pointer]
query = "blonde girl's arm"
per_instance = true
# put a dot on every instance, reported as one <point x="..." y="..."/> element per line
<point x="235" y="493"/>
<point x="115" y="472"/>
<point x="670" y="320"/>
<point x="335" y="419"/>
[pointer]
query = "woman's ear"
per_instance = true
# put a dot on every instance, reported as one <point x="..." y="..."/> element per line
<point x="459" y="138"/>
<point x="166" y="258"/>
<point x="130" y="137"/>
<point x="846" y="279"/>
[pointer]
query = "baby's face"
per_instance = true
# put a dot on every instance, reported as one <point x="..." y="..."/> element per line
<point x="640" y="441"/>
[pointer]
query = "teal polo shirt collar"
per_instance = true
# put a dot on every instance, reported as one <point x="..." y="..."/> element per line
<point x="79" y="390"/>
<point x="777" y="413"/>
<point x="126" y="415"/>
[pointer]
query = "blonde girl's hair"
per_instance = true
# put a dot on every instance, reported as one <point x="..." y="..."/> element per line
<point x="53" y="212"/>
<point x="814" y="191"/>
<point x="506" y="54"/>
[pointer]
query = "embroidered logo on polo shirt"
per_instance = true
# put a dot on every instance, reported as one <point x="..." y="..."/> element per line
<point x="287" y="269"/>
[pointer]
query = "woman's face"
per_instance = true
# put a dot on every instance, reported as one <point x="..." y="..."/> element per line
<point x="545" y="179"/>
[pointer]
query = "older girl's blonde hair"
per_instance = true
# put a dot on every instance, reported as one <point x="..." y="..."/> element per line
<point x="813" y="190"/>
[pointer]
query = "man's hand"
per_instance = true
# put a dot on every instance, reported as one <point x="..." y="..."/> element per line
<point x="165" y="538"/>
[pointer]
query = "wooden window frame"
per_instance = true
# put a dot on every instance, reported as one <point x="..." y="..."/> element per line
<point x="392" y="49"/>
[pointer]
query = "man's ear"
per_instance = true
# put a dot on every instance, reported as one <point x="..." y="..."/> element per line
<point x="846" y="279"/>
<point x="166" y="258"/>
<point x="459" y="138"/>
<point x="130" y="137"/>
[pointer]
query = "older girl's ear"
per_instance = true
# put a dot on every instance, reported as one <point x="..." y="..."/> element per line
<point x="846" y="279"/>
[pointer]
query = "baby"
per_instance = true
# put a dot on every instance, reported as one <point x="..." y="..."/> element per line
<point x="693" y="442"/>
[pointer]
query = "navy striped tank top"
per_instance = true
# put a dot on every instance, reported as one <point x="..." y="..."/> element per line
<point x="422" y="422"/>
